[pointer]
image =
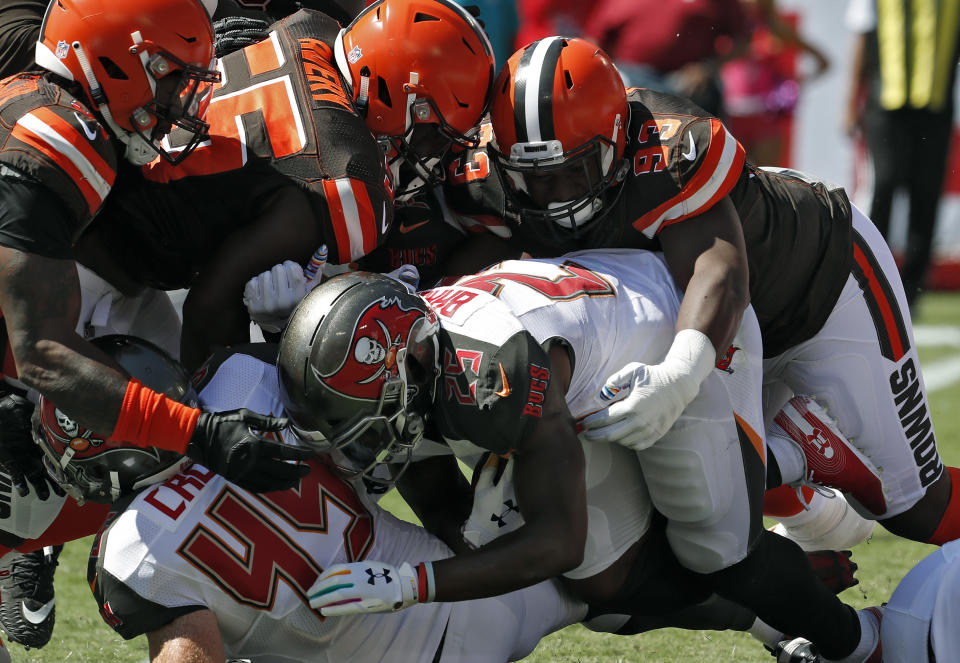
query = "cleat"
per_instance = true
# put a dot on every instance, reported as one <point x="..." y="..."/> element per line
<point x="798" y="650"/>
<point x="831" y="459"/>
<point x="27" y="604"/>
<point x="829" y="523"/>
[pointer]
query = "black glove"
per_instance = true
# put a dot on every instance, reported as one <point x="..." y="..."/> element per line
<point x="233" y="444"/>
<point x="20" y="458"/>
<point x="235" y="32"/>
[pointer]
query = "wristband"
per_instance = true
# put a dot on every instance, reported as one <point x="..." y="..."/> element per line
<point x="426" y="587"/>
<point x="692" y="349"/>
<point x="150" y="419"/>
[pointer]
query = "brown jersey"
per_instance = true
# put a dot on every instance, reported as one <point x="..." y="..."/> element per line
<point x="680" y="161"/>
<point x="423" y="235"/>
<point x="57" y="164"/>
<point x="280" y="115"/>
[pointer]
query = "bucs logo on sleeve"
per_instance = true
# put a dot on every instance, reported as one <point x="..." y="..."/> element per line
<point x="381" y="330"/>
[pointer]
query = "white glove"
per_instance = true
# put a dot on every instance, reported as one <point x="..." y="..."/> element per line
<point x="363" y="587"/>
<point x="270" y="297"/>
<point x="495" y="509"/>
<point x="652" y="397"/>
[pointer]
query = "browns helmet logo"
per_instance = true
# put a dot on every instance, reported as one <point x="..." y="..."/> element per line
<point x="382" y="330"/>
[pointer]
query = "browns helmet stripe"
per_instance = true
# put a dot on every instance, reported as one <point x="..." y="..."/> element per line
<point x="533" y="90"/>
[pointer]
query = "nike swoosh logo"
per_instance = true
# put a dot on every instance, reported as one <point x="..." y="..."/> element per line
<point x="691" y="154"/>
<point x="384" y="226"/>
<point x="38" y="616"/>
<point x="406" y="228"/>
<point x="90" y="133"/>
<point x="505" y="390"/>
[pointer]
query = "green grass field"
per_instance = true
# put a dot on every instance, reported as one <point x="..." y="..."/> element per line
<point x="81" y="637"/>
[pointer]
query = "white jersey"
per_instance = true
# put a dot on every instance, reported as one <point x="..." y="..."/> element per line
<point x="149" y="315"/>
<point x="607" y="308"/>
<point x="198" y="541"/>
<point x="922" y="615"/>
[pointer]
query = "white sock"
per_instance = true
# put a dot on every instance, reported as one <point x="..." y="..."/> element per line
<point x="765" y="633"/>
<point x="869" y="636"/>
<point x="790" y="458"/>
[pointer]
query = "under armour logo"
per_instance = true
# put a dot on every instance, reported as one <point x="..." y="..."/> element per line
<point x="499" y="518"/>
<point x="373" y="576"/>
<point x="823" y="446"/>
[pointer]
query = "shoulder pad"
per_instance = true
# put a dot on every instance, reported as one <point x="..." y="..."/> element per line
<point x="682" y="161"/>
<point x="51" y="137"/>
<point x="491" y="394"/>
<point x="263" y="352"/>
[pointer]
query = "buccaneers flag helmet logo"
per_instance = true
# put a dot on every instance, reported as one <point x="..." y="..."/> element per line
<point x="63" y="432"/>
<point x="381" y="330"/>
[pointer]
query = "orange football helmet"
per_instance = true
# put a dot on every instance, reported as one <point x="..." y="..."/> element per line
<point x="146" y="66"/>
<point x="559" y="113"/>
<point x="421" y="73"/>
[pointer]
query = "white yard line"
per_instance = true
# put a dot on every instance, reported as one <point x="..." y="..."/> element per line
<point x="937" y="335"/>
<point x="941" y="373"/>
<point x="945" y="371"/>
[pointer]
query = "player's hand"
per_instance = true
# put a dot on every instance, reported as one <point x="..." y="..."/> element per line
<point x="271" y="296"/>
<point x="835" y="568"/>
<point x="20" y="458"/>
<point x="232" y="33"/>
<point x="233" y="444"/>
<point x="362" y="587"/>
<point x="652" y="397"/>
<point x="495" y="509"/>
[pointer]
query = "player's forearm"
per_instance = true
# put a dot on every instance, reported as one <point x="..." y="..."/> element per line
<point x="514" y="561"/>
<point x="440" y="496"/>
<point x="76" y="379"/>
<point x="105" y="400"/>
<point x="707" y="258"/>
<point x="550" y="487"/>
<point x="715" y="299"/>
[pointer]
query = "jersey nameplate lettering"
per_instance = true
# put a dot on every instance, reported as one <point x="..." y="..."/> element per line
<point x="174" y="497"/>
